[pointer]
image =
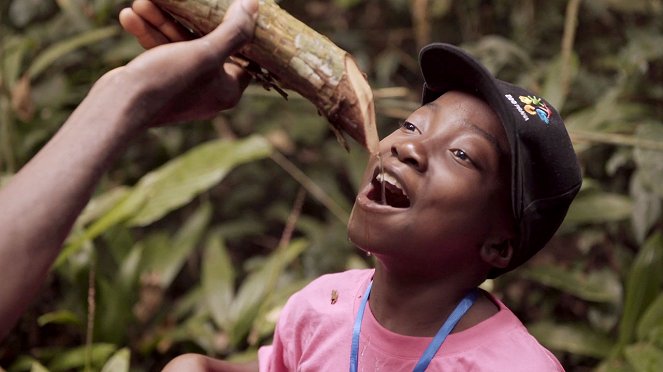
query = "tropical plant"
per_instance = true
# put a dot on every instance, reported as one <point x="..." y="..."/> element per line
<point x="199" y="233"/>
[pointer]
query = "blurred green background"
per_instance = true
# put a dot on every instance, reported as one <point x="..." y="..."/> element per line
<point x="200" y="232"/>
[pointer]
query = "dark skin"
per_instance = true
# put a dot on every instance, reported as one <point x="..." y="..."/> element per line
<point x="450" y="158"/>
<point x="42" y="201"/>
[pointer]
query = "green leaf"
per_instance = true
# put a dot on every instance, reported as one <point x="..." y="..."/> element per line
<point x="265" y="322"/>
<point x="197" y="329"/>
<point x="614" y="364"/>
<point x="257" y="286"/>
<point x="101" y="204"/>
<point x="554" y="89"/>
<point x="646" y="207"/>
<point x="651" y="319"/>
<point x="56" y="51"/>
<point x="650" y="162"/>
<point x="642" y="286"/>
<point x="14" y="48"/>
<point x="347" y="3"/>
<point x="75" y="14"/>
<point x="119" y="362"/>
<point x="121" y="212"/>
<point x="608" y="114"/>
<point x="75" y="357"/>
<point x="218" y="280"/>
<point x="173" y="185"/>
<point x="115" y="315"/>
<point x="644" y="357"/>
<point x="38" y="367"/>
<point x="599" y="207"/>
<point x="58" y="317"/>
<point x="22" y="363"/>
<point x="21" y="13"/>
<point x="188" y="303"/>
<point x="180" y="180"/>
<point x="165" y="259"/>
<point x="596" y="286"/>
<point x="497" y="53"/>
<point x="643" y="48"/>
<point x="127" y="276"/>
<point x="573" y="338"/>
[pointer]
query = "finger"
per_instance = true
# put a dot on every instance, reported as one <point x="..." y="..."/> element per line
<point x="238" y="74"/>
<point x="161" y="21"/>
<point x="148" y="37"/>
<point x="236" y="29"/>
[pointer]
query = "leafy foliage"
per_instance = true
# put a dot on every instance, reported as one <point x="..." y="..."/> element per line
<point x="186" y="246"/>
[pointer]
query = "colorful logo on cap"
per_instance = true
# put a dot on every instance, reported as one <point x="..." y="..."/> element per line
<point x="536" y="107"/>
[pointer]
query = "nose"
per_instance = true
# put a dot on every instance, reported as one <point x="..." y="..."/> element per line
<point x="411" y="153"/>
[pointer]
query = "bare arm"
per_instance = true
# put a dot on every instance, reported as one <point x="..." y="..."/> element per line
<point x="173" y="82"/>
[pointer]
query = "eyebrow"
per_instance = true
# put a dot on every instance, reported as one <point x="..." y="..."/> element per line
<point x="489" y="137"/>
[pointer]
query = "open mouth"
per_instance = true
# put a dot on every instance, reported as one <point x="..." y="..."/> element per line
<point x="387" y="190"/>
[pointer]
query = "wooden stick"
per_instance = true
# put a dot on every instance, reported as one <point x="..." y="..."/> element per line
<point x="298" y="58"/>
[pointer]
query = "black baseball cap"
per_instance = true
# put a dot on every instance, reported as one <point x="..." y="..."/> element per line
<point x="545" y="175"/>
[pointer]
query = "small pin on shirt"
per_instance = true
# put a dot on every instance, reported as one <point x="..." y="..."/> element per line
<point x="334" y="296"/>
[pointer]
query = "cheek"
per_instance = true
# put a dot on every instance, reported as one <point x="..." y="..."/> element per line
<point x="463" y="208"/>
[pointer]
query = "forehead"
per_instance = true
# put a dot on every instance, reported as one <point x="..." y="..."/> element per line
<point x="467" y="112"/>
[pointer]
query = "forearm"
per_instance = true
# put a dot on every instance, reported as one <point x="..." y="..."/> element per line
<point x="42" y="201"/>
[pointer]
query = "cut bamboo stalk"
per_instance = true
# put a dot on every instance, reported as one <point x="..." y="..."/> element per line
<point x="298" y="58"/>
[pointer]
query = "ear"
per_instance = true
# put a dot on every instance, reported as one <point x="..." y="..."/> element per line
<point x="497" y="254"/>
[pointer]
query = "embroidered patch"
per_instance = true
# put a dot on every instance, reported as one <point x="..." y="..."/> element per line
<point x="536" y="107"/>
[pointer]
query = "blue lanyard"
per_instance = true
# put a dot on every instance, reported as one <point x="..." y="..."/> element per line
<point x="432" y="348"/>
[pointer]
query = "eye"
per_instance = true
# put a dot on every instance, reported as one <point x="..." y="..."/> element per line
<point x="409" y="127"/>
<point x="460" y="155"/>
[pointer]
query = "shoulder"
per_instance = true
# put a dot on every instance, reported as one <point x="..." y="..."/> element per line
<point x="330" y="293"/>
<point x="316" y="323"/>
<point x="500" y="343"/>
<point x="343" y="281"/>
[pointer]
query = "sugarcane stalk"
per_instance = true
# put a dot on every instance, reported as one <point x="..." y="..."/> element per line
<point x="298" y="58"/>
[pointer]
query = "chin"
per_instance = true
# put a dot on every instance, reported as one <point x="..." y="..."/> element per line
<point x="368" y="232"/>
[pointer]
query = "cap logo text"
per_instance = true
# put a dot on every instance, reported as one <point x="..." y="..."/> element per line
<point x="517" y="106"/>
<point x="533" y="106"/>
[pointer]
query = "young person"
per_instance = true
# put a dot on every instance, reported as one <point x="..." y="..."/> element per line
<point x="476" y="181"/>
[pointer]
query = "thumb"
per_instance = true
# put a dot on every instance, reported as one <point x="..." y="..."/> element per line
<point x="236" y="29"/>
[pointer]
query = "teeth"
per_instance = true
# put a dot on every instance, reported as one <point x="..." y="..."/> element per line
<point x="385" y="177"/>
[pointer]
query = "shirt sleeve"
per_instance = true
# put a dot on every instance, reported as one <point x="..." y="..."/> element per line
<point x="276" y="357"/>
<point x="271" y="358"/>
<point x="265" y="357"/>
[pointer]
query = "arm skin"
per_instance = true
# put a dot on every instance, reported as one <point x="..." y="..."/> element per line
<point x="172" y="82"/>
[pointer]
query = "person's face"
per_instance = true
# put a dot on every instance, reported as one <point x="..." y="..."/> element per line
<point x="446" y="187"/>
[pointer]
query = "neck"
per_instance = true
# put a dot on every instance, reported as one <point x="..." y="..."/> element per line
<point x="419" y="306"/>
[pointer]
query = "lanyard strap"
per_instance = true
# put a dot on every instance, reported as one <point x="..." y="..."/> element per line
<point x="432" y="348"/>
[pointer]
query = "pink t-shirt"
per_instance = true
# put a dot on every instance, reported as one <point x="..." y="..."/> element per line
<point x="314" y="334"/>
